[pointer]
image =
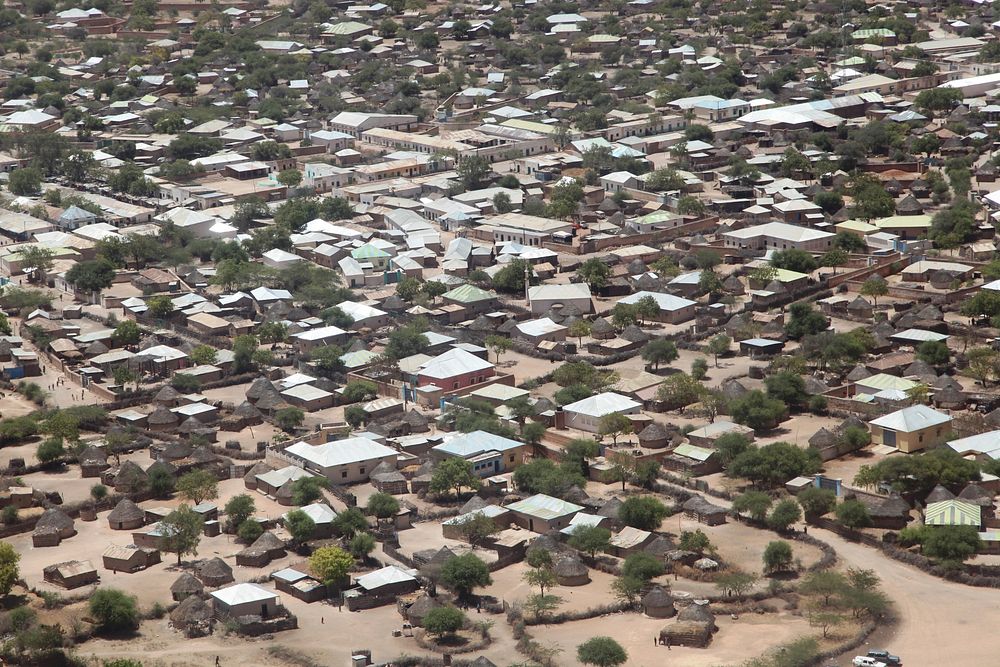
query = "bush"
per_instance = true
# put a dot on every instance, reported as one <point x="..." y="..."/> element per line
<point x="643" y="512"/>
<point x="114" y="610"/>
<point x="249" y="530"/>
<point x="444" y="621"/>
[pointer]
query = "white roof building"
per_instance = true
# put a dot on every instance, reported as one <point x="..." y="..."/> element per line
<point x="603" y="404"/>
<point x="911" y="419"/>
<point x="239" y="594"/>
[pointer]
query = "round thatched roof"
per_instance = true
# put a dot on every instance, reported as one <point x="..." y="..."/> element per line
<point x="93" y="456"/>
<point x="177" y="449"/>
<point x="258" y="387"/>
<point x="190" y="425"/>
<point x="161" y="416"/>
<point x="939" y="493"/>
<point x="126" y="511"/>
<point x="257" y="469"/>
<point x="267" y="542"/>
<point x="167" y="394"/>
<point x="246" y="410"/>
<point x="893" y="506"/>
<point x="658" y="597"/>
<point x="215" y="570"/>
<point x="186" y="584"/>
<point x="601" y="327"/>
<point x="732" y="389"/>
<point x="697" y="612"/>
<point x="634" y="334"/>
<point x="270" y="400"/>
<point x="568" y="566"/>
<point x="611" y="508"/>
<point x="422" y="606"/>
<point x="859" y="372"/>
<point x="823" y="438"/>
<point x="131" y="475"/>
<point x="191" y="611"/>
<point x="975" y="492"/>
<point x="56" y="519"/>
<point x="575" y="495"/>
<point x="474" y="503"/>
<point x="815" y="386"/>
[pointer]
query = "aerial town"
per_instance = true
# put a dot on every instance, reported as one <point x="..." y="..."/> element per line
<point x="532" y="333"/>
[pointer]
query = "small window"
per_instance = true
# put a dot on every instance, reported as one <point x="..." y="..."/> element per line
<point x="921" y="437"/>
<point x="455" y="386"/>
<point x="362" y="470"/>
<point x="343" y="473"/>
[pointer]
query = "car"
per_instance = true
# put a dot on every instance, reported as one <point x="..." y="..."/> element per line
<point x="886" y="657"/>
<point x="865" y="661"/>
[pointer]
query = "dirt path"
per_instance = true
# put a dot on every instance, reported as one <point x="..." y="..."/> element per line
<point x="940" y="622"/>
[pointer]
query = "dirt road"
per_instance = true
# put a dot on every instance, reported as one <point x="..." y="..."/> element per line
<point x="940" y="622"/>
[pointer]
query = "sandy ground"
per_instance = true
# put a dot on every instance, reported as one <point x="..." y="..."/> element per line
<point x="734" y="642"/>
<point x="940" y="622"/>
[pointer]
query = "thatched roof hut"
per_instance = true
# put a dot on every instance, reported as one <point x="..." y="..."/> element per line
<point x="822" y="439"/>
<point x="250" y="478"/>
<point x="659" y="546"/>
<point x="601" y="329"/>
<point x="575" y="495"/>
<point x="858" y="373"/>
<point x="570" y="571"/>
<point x="949" y="398"/>
<point x="258" y="388"/>
<point x="161" y="419"/>
<point x="215" y="572"/>
<point x="422" y="606"/>
<point x="417" y="421"/>
<point x="937" y="494"/>
<point x="167" y="396"/>
<point x="184" y="586"/>
<point x="131" y="478"/>
<point x="193" y="616"/>
<point x="698" y="612"/>
<point x="432" y="568"/>
<point x="658" y="603"/>
<point x="126" y="516"/>
<point x="177" y="449"/>
<point x="611" y="509"/>
<point x="472" y="504"/>
<point x="56" y="519"/>
<point x="654" y="436"/>
<point x="976" y="495"/>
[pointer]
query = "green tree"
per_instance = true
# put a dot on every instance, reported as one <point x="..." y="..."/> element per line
<point x="182" y="531"/>
<point x="951" y="544"/>
<point x="590" y="539"/>
<point x="453" y="474"/>
<point x="9" y="570"/>
<point x="238" y="509"/>
<point x="777" y="557"/>
<point x="642" y="566"/>
<point x="758" y="411"/>
<point x="462" y="574"/>
<point x="478" y="528"/>
<point x="659" y="351"/>
<point x="114" y="610"/>
<point x="784" y="515"/>
<point x="472" y="170"/>
<point x="615" y="425"/>
<point x="826" y="584"/>
<point x="601" y="651"/>
<point x="853" y="514"/>
<point x="870" y="198"/>
<point x="934" y="352"/>
<point x="26" y="181"/>
<point x="361" y="545"/>
<point x="331" y="565"/>
<point x="774" y="464"/>
<point x="594" y="273"/>
<point x="300" y="526"/>
<point x="50" y="451"/>
<point x="350" y="522"/>
<point x="383" y="506"/>
<point x="753" y="503"/>
<point x="203" y="355"/>
<point x="444" y="621"/>
<point x="804" y="321"/>
<point x="794" y="259"/>
<point x="127" y="333"/>
<point x="736" y="583"/>
<point x="288" y="419"/>
<point x="498" y="344"/>
<point x="36" y="261"/>
<point x="643" y="512"/>
<point x="307" y="490"/>
<point x="696" y="541"/>
<point x="788" y="387"/>
<point x="874" y="288"/>
<point x="717" y="346"/>
<point x="816" y="501"/>
<point x="91" y="275"/>
<point x="198" y="486"/>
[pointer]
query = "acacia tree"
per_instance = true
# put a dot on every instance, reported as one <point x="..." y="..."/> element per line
<point x="182" y="532"/>
<point x="614" y="424"/>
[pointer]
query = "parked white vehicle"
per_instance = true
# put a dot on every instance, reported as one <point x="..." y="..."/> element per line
<point x="865" y="661"/>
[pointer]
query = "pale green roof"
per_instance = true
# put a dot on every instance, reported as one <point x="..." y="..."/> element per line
<point x="856" y="226"/>
<point x="883" y="381"/>
<point x="853" y="60"/>
<point x="788" y="276"/>
<point x="872" y="32"/>
<point x="530" y="125"/>
<point x="903" y="222"/>
<point x="694" y="452"/>
<point x="468" y="294"/>
<point x="347" y="28"/>
<point x="952" y="513"/>
<point x="368" y="251"/>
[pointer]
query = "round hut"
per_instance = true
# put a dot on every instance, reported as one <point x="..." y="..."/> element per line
<point x="52" y="527"/>
<point x="214" y="573"/>
<point x="258" y="388"/>
<point x="265" y="548"/>
<point x="694" y="627"/>
<point x="161" y="419"/>
<point x="185" y="586"/>
<point x="250" y="478"/>
<point x="174" y="451"/>
<point x="422" y="606"/>
<point x="658" y="603"/>
<point x="131" y="478"/>
<point x="126" y="516"/>
<point x="654" y="436"/>
<point x="938" y="494"/>
<point x="570" y="571"/>
<point x="601" y="329"/>
<point x="167" y="396"/>
<point x="193" y="616"/>
<point x="575" y="495"/>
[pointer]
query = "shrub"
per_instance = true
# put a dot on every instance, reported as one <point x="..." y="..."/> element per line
<point x="114" y="610"/>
